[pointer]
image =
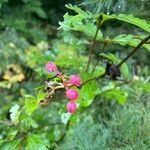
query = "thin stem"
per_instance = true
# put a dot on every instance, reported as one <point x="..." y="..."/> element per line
<point x="91" y="49"/>
<point x="63" y="135"/>
<point x="46" y="100"/>
<point x="91" y="79"/>
<point x="134" y="50"/>
<point x="118" y="85"/>
<point x="104" y="45"/>
<point x="63" y="79"/>
<point x="95" y="66"/>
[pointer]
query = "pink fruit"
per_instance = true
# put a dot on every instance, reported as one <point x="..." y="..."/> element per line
<point x="50" y="67"/>
<point x="74" y="80"/>
<point x="71" y="106"/>
<point x="72" y="94"/>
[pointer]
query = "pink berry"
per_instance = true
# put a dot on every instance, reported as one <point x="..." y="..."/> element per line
<point x="74" y="80"/>
<point x="50" y="67"/>
<point x="72" y="94"/>
<point x="71" y="106"/>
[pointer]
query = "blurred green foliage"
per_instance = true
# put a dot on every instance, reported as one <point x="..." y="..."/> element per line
<point x="110" y="115"/>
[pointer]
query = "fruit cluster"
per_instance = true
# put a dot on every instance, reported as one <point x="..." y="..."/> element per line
<point x="74" y="80"/>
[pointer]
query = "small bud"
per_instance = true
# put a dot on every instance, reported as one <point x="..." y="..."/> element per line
<point x="74" y="80"/>
<point x="50" y="67"/>
<point x="71" y="106"/>
<point x="72" y="94"/>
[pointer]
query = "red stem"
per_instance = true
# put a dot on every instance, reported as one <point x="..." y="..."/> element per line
<point x="65" y="83"/>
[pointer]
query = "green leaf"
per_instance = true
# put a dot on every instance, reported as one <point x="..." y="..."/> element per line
<point x="30" y="105"/>
<point x="41" y="96"/>
<point x="73" y="61"/>
<point x="128" y="39"/>
<point x="82" y="22"/>
<point x="147" y="87"/>
<point x="133" y="20"/>
<point x="1" y="142"/>
<point x="87" y="92"/>
<point x="11" y="135"/>
<point x="11" y="145"/>
<point x="104" y="17"/>
<point x="110" y="57"/>
<point x="140" y="85"/>
<point x="35" y="7"/>
<point x="127" y="18"/>
<point x="14" y="114"/>
<point x="51" y="74"/>
<point x="25" y="122"/>
<point x="98" y="70"/>
<point x="117" y="94"/>
<point x="36" y="142"/>
<point x="125" y="71"/>
<point x="78" y="10"/>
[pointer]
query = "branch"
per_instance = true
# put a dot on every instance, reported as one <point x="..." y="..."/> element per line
<point x="63" y="135"/>
<point x="144" y="41"/>
<point x="51" y="91"/>
<point x="118" y="85"/>
<point x="104" y="45"/>
<point x="91" y="79"/>
<point x="91" y="49"/>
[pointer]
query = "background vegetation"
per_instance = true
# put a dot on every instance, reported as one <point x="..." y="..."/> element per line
<point x="111" y="114"/>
